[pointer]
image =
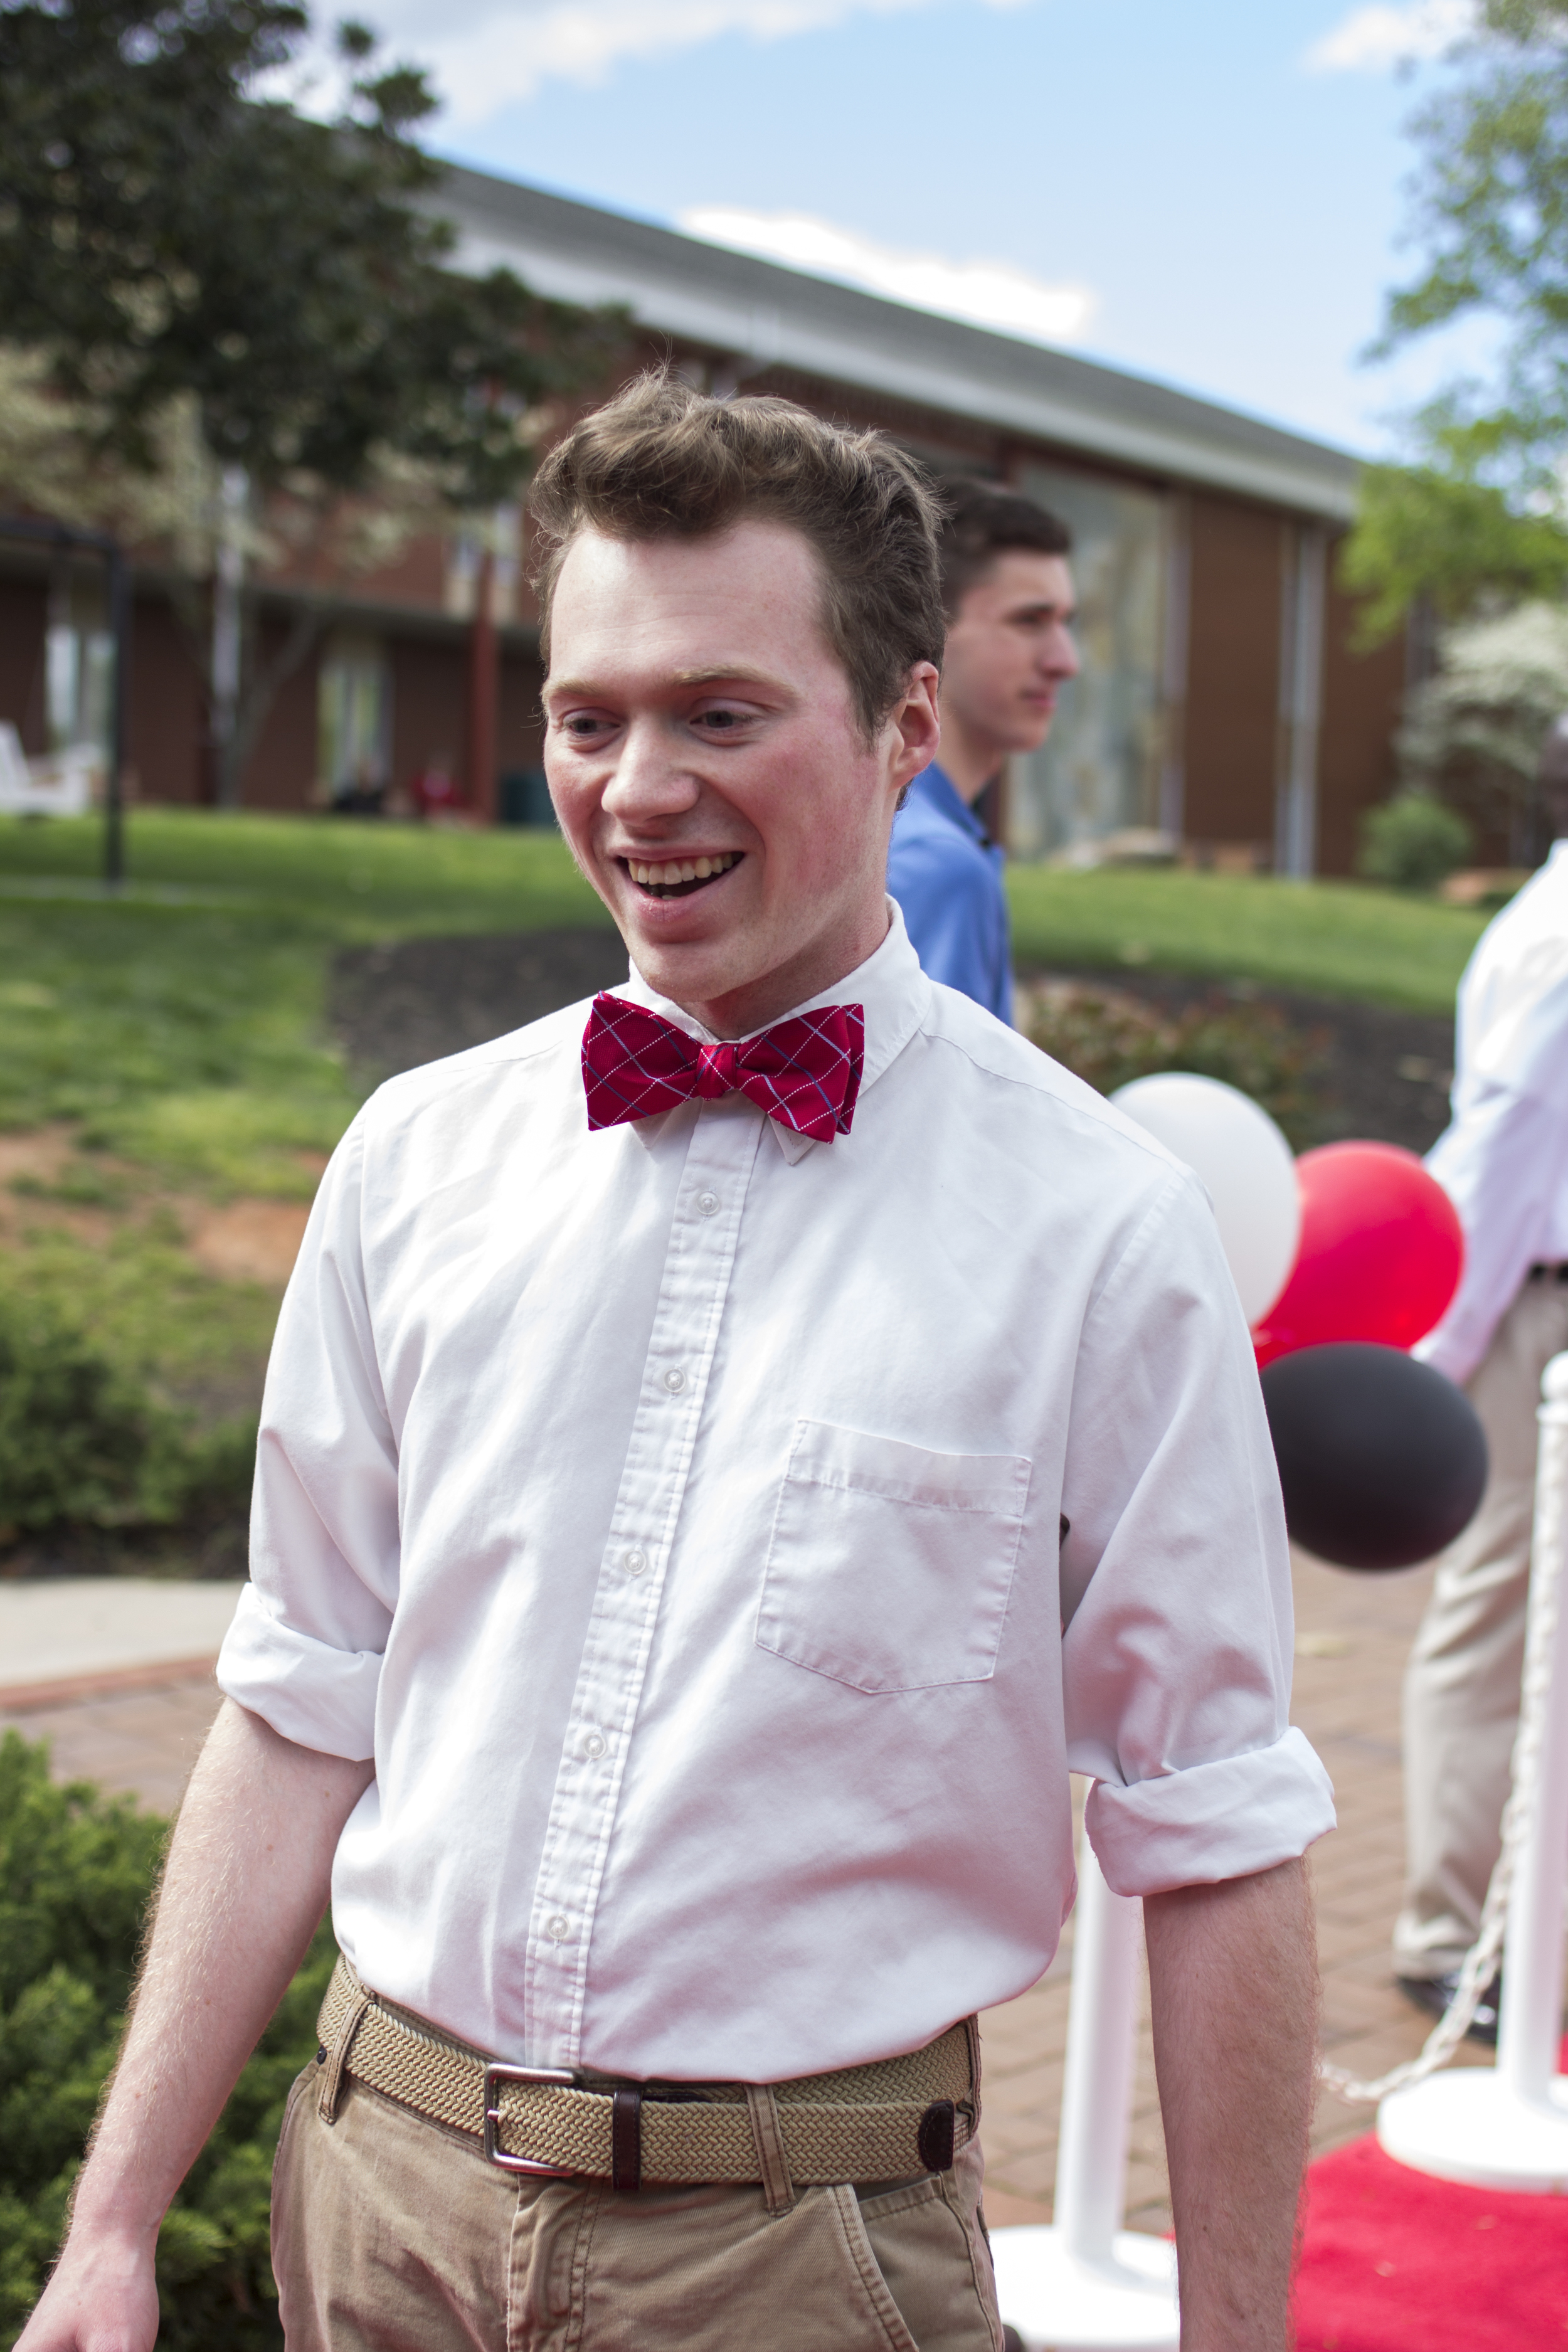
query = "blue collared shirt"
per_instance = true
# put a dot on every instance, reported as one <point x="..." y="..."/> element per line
<point x="946" y="874"/>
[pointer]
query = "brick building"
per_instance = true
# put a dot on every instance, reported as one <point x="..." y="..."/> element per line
<point x="1222" y="699"/>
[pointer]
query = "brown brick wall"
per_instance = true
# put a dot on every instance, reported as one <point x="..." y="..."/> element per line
<point x="22" y="660"/>
<point x="165" y="715"/>
<point x="1362" y="696"/>
<point x="1233" y="670"/>
<point x="281" y="774"/>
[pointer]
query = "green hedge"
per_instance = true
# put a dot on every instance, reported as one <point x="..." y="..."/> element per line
<point x="83" y="1445"/>
<point x="76" y="1873"/>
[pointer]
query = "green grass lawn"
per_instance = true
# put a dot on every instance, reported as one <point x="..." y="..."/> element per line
<point x="179" y="1029"/>
<point x="1328" y="939"/>
<point x="182" y="1023"/>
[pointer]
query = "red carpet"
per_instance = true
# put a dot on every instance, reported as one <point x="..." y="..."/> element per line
<point x="1395" y="2262"/>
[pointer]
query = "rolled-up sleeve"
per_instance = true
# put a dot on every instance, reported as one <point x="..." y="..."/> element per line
<point x="305" y="1648"/>
<point x="1175" y="1574"/>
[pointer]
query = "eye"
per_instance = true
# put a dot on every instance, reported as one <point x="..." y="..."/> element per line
<point x="723" y="719"/>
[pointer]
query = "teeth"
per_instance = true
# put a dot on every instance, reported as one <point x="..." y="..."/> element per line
<point x="701" y="869"/>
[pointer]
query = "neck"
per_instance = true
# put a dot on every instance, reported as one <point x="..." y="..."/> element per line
<point x="967" y="758"/>
<point x="822" y="965"/>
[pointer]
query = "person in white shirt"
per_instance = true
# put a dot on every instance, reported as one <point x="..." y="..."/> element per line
<point x="1503" y="1160"/>
<point x="728" y="1454"/>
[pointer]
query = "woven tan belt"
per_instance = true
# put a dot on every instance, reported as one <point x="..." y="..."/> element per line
<point x="888" y="2121"/>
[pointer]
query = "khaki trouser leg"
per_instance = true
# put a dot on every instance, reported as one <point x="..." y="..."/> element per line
<point x="1461" y="1686"/>
<point x="391" y="2235"/>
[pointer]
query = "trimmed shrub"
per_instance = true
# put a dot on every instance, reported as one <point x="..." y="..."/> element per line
<point x="1413" y="842"/>
<point x="77" y="1870"/>
<point x="84" y="1446"/>
<point x="1109" y="1036"/>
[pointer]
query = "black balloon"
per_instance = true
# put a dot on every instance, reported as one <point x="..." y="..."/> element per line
<point x="1381" y="1460"/>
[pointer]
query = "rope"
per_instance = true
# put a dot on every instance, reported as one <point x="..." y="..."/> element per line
<point x="1480" y="1964"/>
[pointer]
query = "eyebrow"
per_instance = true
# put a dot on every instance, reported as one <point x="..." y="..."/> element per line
<point x="711" y="674"/>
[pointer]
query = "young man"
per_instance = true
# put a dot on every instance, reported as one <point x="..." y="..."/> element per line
<point x="1504" y="1160"/>
<point x="1008" y="597"/>
<point x="668" y="1511"/>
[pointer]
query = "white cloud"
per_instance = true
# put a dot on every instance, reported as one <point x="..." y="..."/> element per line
<point x="486" y="54"/>
<point x="985" y="293"/>
<point x="1371" y="40"/>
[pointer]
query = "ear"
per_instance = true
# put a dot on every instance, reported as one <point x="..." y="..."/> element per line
<point x="914" y="727"/>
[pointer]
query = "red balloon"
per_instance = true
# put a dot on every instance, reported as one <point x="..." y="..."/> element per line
<point x="1380" y="1258"/>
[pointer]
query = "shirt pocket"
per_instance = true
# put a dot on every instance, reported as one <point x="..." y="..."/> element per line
<point x="890" y="1566"/>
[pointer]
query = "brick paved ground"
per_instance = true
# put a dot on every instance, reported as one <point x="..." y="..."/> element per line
<point x="1352" y="1633"/>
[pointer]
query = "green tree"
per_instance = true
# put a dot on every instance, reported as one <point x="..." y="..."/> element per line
<point x="176" y="242"/>
<point x="1484" y="510"/>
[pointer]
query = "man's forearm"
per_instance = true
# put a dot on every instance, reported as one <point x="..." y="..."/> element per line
<point x="1233" y="1975"/>
<point x="246" y="1881"/>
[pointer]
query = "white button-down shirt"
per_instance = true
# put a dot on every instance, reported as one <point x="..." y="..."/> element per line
<point x="685" y="1515"/>
<point x="1503" y="1159"/>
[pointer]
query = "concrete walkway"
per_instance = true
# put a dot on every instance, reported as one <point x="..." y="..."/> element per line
<point x="75" y="1637"/>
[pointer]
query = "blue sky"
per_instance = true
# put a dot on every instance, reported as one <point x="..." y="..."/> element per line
<point x="1204" y="191"/>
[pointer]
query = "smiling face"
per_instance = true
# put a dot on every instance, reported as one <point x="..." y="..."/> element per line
<point x="1009" y="652"/>
<point x="709" y="770"/>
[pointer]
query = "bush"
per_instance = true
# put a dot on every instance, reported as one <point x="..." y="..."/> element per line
<point x="1413" y="842"/>
<point x="76" y="1873"/>
<point x="82" y="1445"/>
<point x="1108" y="1037"/>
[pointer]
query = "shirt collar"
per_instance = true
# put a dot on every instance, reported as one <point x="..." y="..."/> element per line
<point x="889" y="986"/>
<point x="936" y="788"/>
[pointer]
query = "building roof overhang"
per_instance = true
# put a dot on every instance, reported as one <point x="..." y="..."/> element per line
<point x="764" y="315"/>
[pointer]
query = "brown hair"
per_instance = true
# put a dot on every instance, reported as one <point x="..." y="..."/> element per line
<point x="663" y="461"/>
<point x="983" y="522"/>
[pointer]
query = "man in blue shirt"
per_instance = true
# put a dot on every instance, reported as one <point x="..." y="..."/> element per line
<point x="1009" y="600"/>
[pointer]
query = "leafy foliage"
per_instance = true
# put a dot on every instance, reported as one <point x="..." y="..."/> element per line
<point x="166" y="232"/>
<point x="1412" y="842"/>
<point x="1108" y="1037"/>
<point x="84" y="1445"/>
<point x="1483" y="511"/>
<point x="1446" y="537"/>
<point x="1491" y="206"/>
<point x="77" y="1871"/>
<point x="253" y="310"/>
<point x="1473" y="733"/>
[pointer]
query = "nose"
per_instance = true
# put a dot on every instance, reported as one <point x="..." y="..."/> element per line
<point x="649" y="780"/>
<point x="1060" y="651"/>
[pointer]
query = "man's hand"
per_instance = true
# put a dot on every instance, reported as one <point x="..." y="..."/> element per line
<point x="1233" y="1971"/>
<point x="245" y="1883"/>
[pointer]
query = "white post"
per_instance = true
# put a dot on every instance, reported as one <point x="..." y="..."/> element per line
<point x="1086" y="2284"/>
<point x="1097" y="2079"/>
<point x="1506" y="2126"/>
<point x="229" y="619"/>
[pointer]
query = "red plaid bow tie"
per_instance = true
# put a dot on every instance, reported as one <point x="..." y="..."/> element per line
<point x="804" y="1072"/>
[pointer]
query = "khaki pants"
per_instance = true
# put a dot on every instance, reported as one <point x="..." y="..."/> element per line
<point x="394" y="2234"/>
<point x="1461" y="1686"/>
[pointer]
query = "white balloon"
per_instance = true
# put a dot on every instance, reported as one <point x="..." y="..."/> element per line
<point x="1246" y="1163"/>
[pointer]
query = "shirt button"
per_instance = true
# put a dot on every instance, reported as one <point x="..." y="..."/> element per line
<point x="594" y="1745"/>
<point x="707" y="1202"/>
<point x="557" y="1927"/>
<point x="675" y="1383"/>
<point x="636" y="1562"/>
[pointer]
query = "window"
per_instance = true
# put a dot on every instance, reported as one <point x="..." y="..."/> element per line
<point x="354" y="714"/>
<point x="79" y="667"/>
<point x="1099" y="770"/>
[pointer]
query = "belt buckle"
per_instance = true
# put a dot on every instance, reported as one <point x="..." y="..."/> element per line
<point x="494" y="2153"/>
